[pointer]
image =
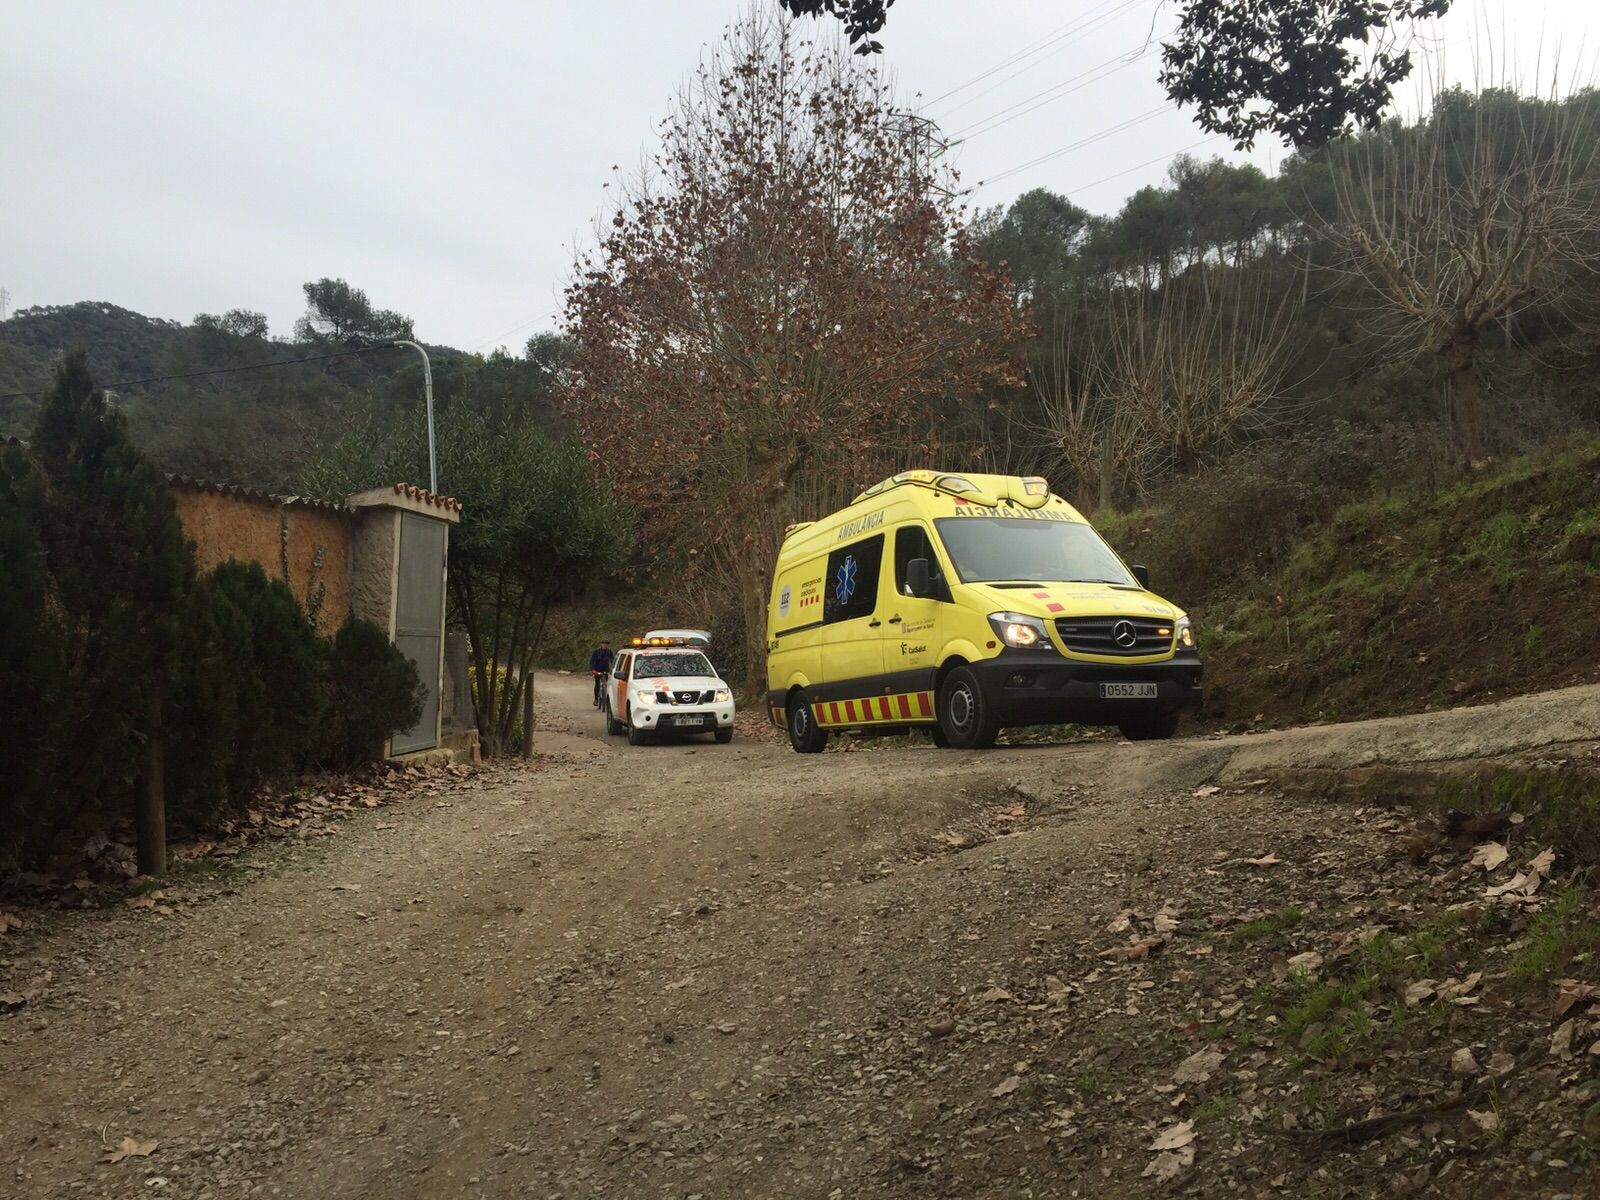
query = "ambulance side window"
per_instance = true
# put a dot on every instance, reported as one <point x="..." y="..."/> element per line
<point x="850" y="588"/>
<point x="912" y="541"/>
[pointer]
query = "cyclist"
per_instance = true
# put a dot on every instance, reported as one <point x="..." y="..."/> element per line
<point x="600" y="668"/>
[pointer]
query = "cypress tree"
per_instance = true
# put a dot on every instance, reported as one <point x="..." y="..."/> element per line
<point x="121" y="569"/>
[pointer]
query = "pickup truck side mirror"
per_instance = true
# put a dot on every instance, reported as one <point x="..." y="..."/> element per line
<point x="1142" y="574"/>
<point x="917" y="577"/>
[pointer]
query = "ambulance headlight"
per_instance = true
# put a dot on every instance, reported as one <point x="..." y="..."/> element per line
<point x="1019" y="631"/>
<point x="723" y="695"/>
<point x="1185" y="634"/>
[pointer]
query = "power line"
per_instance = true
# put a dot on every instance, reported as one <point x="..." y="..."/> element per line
<point x="1053" y="93"/>
<point x="1120" y="127"/>
<point x="1061" y="35"/>
<point x="282" y="362"/>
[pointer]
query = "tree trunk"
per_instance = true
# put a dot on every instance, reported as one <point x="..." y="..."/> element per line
<point x="1108" y="475"/>
<point x="150" y="811"/>
<point x="527" y="712"/>
<point x="1466" y="398"/>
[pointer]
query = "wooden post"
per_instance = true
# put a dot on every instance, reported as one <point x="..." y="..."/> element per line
<point x="527" y="713"/>
<point x="150" y="813"/>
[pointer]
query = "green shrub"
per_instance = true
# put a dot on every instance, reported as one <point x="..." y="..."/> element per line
<point x="372" y="690"/>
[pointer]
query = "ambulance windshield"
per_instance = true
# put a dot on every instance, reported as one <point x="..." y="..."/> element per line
<point x="1029" y="550"/>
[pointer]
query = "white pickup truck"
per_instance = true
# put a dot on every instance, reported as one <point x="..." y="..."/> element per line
<point x="663" y="684"/>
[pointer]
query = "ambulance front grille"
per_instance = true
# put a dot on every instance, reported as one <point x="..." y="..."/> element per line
<point x="1120" y="637"/>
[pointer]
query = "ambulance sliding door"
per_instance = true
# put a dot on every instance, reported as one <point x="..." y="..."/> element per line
<point x="852" y="633"/>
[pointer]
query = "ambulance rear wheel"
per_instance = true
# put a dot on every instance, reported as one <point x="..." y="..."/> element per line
<point x="805" y="735"/>
<point x="965" y="716"/>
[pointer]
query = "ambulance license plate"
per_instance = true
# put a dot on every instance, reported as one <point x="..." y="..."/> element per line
<point x="1128" y="691"/>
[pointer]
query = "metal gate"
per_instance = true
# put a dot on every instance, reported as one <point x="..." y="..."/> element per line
<point x="419" y="620"/>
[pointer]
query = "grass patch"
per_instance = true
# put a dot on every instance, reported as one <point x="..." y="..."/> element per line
<point x="1331" y="1017"/>
<point x="1284" y="918"/>
<point x="1564" y="932"/>
<point x="1560" y="808"/>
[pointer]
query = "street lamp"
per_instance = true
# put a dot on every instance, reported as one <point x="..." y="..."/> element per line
<point x="427" y="391"/>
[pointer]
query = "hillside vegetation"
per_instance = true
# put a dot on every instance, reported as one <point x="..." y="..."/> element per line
<point x="261" y="427"/>
<point x="1417" y="598"/>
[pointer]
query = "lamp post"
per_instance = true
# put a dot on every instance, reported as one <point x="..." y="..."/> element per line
<point x="427" y="391"/>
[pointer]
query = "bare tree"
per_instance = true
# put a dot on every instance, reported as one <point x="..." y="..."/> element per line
<point x="1463" y="220"/>
<point x="1194" y="361"/>
<point x="783" y="313"/>
<point x="1099" y="441"/>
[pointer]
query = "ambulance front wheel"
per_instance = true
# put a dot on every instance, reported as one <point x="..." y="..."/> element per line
<point x="805" y="735"/>
<point x="965" y="714"/>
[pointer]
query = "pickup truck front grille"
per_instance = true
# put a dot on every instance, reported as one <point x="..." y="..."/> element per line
<point x="1117" y="637"/>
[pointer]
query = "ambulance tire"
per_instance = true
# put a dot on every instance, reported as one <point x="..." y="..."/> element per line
<point x="638" y="737"/>
<point x="965" y="717"/>
<point x="939" y="739"/>
<point x="724" y="736"/>
<point x="1150" y="727"/>
<point x="805" y="735"/>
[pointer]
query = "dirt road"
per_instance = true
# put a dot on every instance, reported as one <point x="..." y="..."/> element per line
<point x="701" y="970"/>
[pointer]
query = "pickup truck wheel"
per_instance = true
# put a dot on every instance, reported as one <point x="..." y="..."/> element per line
<point x="965" y="717"/>
<point x="614" y="727"/>
<point x="1149" y="727"/>
<point x="638" y="737"/>
<point x="724" y="736"/>
<point x="805" y="735"/>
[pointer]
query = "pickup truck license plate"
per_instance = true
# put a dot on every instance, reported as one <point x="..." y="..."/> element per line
<point x="690" y="722"/>
<point x="1127" y="691"/>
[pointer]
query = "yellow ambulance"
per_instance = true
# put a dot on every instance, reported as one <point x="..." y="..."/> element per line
<point x="966" y="604"/>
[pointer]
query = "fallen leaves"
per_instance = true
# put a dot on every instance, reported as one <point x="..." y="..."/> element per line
<point x="1175" y="1146"/>
<point x="1463" y="1063"/>
<point x="996" y="995"/>
<point x="1489" y="855"/>
<point x="8" y="923"/>
<point x="1569" y="994"/>
<point x="1524" y="883"/>
<point x="1561" y="1039"/>
<point x="1269" y="859"/>
<point x="1198" y="1067"/>
<point x="1006" y="1086"/>
<point x="345" y="887"/>
<point x="129" y="1148"/>
<point x="1488" y="1121"/>
<point x="1449" y="991"/>
<point x="33" y="991"/>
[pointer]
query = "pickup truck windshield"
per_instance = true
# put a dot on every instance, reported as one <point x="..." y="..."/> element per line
<point x="1029" y="550"/>
<point x="671" y="664"/>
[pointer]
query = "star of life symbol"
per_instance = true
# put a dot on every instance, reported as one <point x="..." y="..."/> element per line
<point x="844" y="584"/>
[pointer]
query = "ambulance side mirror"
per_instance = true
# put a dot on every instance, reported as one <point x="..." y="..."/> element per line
<point x="917" y="577"/>
<point x="1142" y="574"/>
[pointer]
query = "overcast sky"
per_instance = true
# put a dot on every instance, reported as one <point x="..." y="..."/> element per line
<point x="191" y="157"/>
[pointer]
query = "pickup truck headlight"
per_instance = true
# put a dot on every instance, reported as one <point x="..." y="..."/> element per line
<point x="723" y="695"/>
<point x="1019" y="631"/>
<point x="1185" y="634"/>
<point x="644" y="696"/>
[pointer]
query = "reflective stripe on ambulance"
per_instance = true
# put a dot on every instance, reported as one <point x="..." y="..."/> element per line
<point x="874" y="710"/>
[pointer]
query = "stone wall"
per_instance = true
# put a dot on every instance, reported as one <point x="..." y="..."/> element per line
<point x="304" y="542"/>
